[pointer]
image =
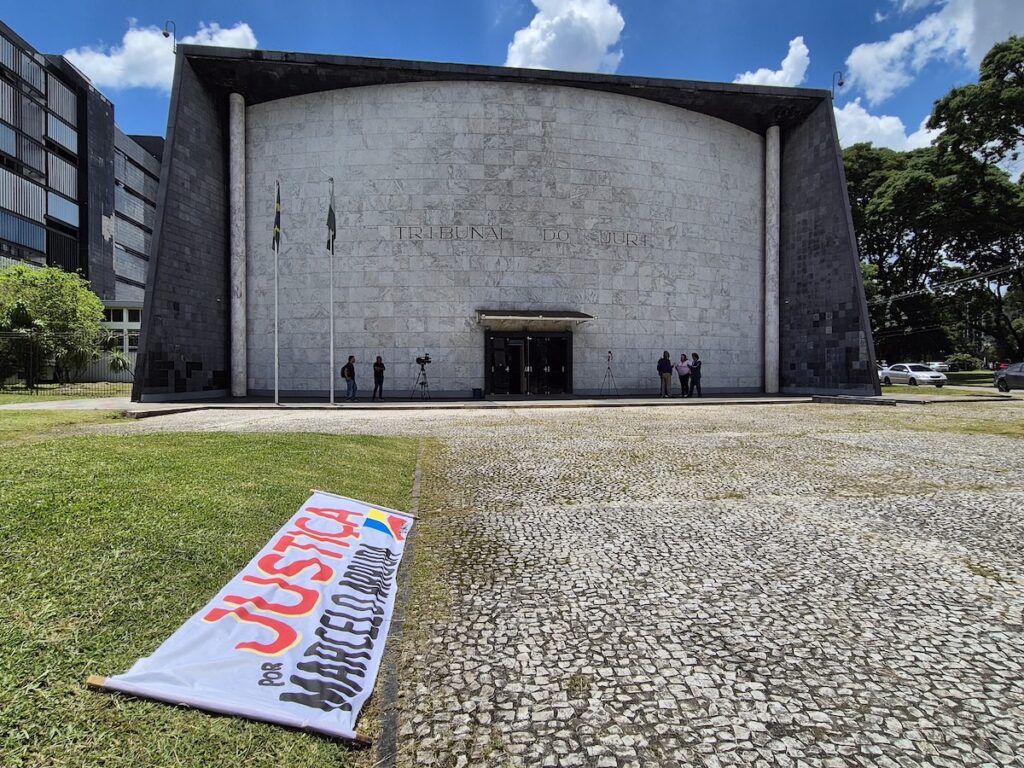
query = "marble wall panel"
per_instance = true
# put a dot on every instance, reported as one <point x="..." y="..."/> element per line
<point x="532" y="160"/>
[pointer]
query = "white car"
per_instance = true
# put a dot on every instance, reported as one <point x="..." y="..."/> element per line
<point x="938" y="366"/>
<point x="912" y="374"/>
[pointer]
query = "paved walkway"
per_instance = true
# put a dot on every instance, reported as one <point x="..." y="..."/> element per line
<point x="792" y="585"/>
<point x="81" y="404"/>
<point x="142" y="410"/>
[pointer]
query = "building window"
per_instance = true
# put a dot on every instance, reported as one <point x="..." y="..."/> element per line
<point x="134" y="315"/>
<point x="62" y="209"/>
<point x="32" y="121"/>
<point x="8" y="140"/>
<point x="32" y="154"/>
<point x="21" y="196"/>
<point x="7" y="103"/>
<point x="62" y="133"/>
<point x="133" y="341"/>
<point x="32" y="72"/>
<point x="63" y="176"/>
<point x="62" y="251"/>
<point x="8" y="54"/>
<point x="23" y="232"/>
<point x="62" y="100"/>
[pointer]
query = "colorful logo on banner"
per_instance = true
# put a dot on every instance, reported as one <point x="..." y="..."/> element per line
<point x="296" y="638"/>
<point x="392" y="525"/>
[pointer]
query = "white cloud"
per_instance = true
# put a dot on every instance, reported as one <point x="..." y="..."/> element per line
<point x="856" y="124"/>
<point x="961" y="30"/>
<point x="145" y="58"/>
<point x="908" y="6"/>
<point x="569" y="34"/>
<point x="792" y="72"/>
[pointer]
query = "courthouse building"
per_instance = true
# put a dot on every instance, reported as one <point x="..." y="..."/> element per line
<point x="517" y="225"/>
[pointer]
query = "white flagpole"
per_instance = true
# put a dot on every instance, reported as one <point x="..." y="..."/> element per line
<point x="277" y="350"/>
<point x="331" y="257"/>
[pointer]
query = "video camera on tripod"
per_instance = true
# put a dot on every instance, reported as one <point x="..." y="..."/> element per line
<point x="421" y="378"/>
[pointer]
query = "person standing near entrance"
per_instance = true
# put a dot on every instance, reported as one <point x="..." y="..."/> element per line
<point x="695" y="376"/>
<point x="348" y="373"/>
<point x="683" y="369"/>
<point x="378" y="379"/>
<point x="665" y="372"/>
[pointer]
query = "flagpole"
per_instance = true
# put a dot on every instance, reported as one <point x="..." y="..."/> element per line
<point x="330" y="237"/>
<point x="277" y="350"/>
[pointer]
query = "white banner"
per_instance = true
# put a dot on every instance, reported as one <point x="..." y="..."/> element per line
<point x="297" y="637"/>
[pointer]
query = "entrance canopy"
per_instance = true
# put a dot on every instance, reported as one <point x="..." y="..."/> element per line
<point x="530" y="320"/>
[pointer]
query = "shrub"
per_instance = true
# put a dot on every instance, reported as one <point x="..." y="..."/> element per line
<point x="965" y="361"/>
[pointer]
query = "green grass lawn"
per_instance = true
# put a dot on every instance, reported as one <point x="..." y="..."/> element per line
<point x="17" y="426"/>
<point x="111" y="541"/>
<point x="66" y="392"/>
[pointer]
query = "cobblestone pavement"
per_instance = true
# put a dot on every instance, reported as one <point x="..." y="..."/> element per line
<point x="777" y="585"/>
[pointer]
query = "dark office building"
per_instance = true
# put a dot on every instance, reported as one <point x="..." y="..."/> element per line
<point x="75" y="191"/>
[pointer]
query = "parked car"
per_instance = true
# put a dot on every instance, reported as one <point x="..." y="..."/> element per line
<point x="912" y="374"/>
<point x="939" y="366"/>
<point x="1011" y="377"/>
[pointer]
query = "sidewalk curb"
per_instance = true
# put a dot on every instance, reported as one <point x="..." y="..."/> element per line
<point x="387" y="743"/>
<point x="145" y="413"/>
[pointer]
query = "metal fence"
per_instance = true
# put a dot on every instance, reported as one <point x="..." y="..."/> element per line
<point x="37" y="364"/>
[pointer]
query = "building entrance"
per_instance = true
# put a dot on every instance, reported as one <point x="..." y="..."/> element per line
<point x="534" y="364"/>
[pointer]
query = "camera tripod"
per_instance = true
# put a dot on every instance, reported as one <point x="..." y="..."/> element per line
<point x="609" y="378"/>
<point x="421" y="384"/>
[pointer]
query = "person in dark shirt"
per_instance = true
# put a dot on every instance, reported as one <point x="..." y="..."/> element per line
<point x="348" y="373"/>
<point x="378" y="379"/>
<point x="695" y="375"/>
<point x="665" y="373"/>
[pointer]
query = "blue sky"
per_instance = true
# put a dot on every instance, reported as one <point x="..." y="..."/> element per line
<point x="898" y="55"/>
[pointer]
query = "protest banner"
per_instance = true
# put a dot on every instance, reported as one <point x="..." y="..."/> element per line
<point x="297" y="637"/>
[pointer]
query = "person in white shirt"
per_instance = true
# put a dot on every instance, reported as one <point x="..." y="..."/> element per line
<point x="683" y="369"/>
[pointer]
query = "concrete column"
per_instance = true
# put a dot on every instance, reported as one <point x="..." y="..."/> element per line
<point x="236" y="182"/>
<point x="771" y="260"/>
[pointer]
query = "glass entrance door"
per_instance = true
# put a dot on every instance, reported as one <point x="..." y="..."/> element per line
<point x="547" y="365"/>
<point x="519" y="363"/>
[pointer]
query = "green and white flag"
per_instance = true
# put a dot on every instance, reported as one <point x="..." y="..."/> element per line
<point x="277" y="218"/>
<point x="332" y="224"/>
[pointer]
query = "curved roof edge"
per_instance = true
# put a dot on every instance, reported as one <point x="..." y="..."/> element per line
<point x="262" y="76"/>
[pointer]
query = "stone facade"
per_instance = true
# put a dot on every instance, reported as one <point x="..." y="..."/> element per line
<point x="639" y="201"/>
<point x="825" y="341"/>
<point x="185" y="335"/>
<point x="546" y="175"/>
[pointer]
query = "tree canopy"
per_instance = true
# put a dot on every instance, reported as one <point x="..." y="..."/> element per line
<point x="941" y="229"/>
<point x="59" y="317"/>
<point x="986" y="118"/>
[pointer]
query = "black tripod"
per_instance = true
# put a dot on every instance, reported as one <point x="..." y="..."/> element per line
<point x="421" y="384"/>
<point x="609" y="378"/>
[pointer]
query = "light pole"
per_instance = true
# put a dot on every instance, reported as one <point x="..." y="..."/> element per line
<point x="171" y="31"/>
<point x="840" y="82"/>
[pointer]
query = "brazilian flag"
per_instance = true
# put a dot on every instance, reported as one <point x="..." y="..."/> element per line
<point x="277" y="218"/>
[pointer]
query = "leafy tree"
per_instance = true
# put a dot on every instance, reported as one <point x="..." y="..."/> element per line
<point x="56" y="316"/>
<point x="986" y="118"/>
<point x="943" y="226"/>
<point x="899" y="218"/>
